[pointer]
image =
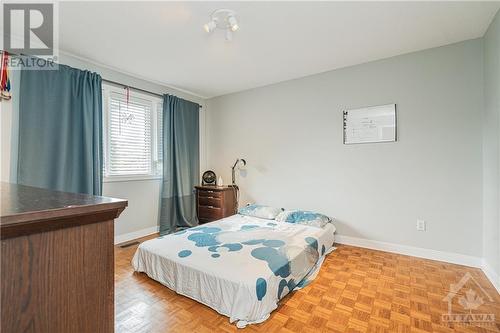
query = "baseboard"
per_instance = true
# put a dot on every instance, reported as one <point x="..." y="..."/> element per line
<point x="455" y="258"/>
<point x="135" y="234"/>
<point x="491" y="275"/>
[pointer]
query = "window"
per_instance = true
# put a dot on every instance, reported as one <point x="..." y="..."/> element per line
<point x="132" y="135"/>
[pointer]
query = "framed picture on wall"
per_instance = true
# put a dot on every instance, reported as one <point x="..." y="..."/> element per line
<point x="370" y="124"/>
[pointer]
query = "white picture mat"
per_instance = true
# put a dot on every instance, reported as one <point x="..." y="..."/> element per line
<point x="370" y="124"/>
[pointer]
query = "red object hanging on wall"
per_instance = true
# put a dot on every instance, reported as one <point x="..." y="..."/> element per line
<point x="4" y="78"/>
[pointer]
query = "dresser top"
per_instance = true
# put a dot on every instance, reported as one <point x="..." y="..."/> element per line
<point x="215" y="188"/>
<point x="21" y="205"/>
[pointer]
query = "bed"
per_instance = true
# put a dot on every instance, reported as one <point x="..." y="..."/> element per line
<point x="240" y="266"/>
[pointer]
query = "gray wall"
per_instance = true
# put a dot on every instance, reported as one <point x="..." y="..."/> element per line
<point x="142" y="195"/>
<point x="291" y="135"/>
<point x="491" y="147"/>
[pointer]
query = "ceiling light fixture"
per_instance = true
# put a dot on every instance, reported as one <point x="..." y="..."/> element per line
<point x="210" y="26"/>
<point x="224" y="19"/>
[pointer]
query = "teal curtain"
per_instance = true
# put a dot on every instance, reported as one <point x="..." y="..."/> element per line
<point x="60" y="130"/>
<point x="181" y="166"/>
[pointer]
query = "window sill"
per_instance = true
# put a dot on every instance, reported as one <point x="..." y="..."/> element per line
<point x="114" y="179"/>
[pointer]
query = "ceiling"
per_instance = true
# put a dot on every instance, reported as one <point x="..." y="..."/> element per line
<point x="277" y="41"/>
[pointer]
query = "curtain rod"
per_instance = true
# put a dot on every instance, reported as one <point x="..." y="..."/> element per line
<point x="112" y="82"/>
<point x="138" y="89"/>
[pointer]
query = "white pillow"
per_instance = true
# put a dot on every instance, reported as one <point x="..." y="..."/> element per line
<point x="260" y="211"/>
<point x="304" y="217"/>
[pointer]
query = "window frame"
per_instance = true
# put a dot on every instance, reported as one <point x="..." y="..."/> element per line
<point x="155" y="164"/>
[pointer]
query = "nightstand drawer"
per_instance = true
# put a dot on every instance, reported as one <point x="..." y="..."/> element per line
<point x="210" y="201"/>
<point x="215" y="202"/>
<point x="209" y="193"/>
<point x="209" y="212"/>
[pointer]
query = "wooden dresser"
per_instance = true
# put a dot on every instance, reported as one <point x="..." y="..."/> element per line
<point x="57" y="262"/>
<point x="215" y="202"/>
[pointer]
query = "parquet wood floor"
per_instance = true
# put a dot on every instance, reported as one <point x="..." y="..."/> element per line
<point x="357" y="290"/>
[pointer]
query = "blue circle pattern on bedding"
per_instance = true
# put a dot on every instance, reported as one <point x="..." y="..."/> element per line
<point x="249" y="227"/>
<point x="276" y="260"/>
<point x="185" y="253"/>
<point x="260" y="288"/>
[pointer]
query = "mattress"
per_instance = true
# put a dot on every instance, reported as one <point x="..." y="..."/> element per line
<point x="240" y="266"/>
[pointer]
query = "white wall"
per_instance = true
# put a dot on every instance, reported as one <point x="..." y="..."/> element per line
<point x="491" y="150"/>
<point x="142" y="196"/>
<point x="291" y="136"/>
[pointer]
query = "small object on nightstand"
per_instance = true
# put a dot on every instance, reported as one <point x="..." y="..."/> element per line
<point x="220" y="182"/>
<point x="209" y="178"/>
<point x="215" y="202"/>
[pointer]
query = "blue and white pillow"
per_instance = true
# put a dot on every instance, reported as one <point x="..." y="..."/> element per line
<point x="304" y="217"/>
<point x="260" y="211"/>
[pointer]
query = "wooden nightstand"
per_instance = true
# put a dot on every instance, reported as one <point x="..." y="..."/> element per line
<point x="215" y="202"/>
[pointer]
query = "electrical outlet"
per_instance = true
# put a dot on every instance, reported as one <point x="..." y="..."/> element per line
<point x="420" y="225"/>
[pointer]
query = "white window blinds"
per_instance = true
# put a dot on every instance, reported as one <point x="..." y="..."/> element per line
<point x="133" y="137"/>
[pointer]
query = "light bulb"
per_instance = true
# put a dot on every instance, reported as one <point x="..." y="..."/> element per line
<point x="210" y="26"/>
<point x="233" y="23"/>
